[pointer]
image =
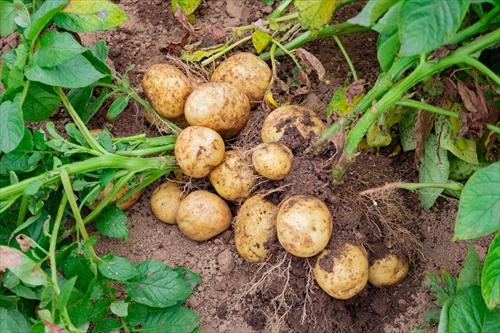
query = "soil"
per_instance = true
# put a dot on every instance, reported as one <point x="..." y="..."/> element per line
<point x="280" y="294"/>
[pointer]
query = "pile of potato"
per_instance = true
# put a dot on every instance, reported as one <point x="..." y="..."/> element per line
<point x="303" y="225"/>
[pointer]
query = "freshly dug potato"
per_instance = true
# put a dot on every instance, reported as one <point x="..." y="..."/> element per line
<point x="198" y="150"/>
<point x="388" y="271"/>
<point x="167" y="89"/>
<point x="342" y="275"/>
<point x="122" y="205"/>
<point x="304" y="225"/>
<point x="255" y="227"/>
<point x="234" y="178"/>
<point x="219" y="106"/>
<point x="305" y="121"/>
<point x="272" y="160"/>
<point x="165" y="201"/>
<point x="247" y="72"/>
<point x="203" y="215"/>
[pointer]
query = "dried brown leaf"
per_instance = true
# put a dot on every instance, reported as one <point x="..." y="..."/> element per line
<point x="53" y="328"/>
<point x="355" y="89"/>
<point x="450" y="91"/>
<point x="312" y="61"/>
<point x="423" y="128"/>
<point x="183" y="20"/>
<point x="24" y="242"/>
<point x="9" y="258"/>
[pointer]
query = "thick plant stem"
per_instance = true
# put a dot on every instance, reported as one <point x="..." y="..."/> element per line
<point x="482" y="68"/>
<point x="53" y="242"/>
<point x="413" y="187"/>
<point x="477" y="27"/>
<point x="280" y="9"/>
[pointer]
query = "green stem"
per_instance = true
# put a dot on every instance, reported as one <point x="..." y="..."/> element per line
<point x="23" y="208"/>
<point x="146" y="151"/>
<point x="152" y="177"/>
<point x="219" y="54"/>
<point x="482" y="68"/>
<point x="482" y="25"/>
<point x="288" y="53"/>
<point x="347" y="58"/>
<point x="280" y="9"/>
<point x="53" y="242"/>
<point x="413" y="187"/>
<point x="493" y="128"/>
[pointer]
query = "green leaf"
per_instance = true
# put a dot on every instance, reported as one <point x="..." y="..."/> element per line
<point x="15" y="75"/>
<point x="24" y="292"/>
<point x="11" y="126"/>
<point x="260" y="40"/>
<point x="463" y="148"/>
<point x="56" y="48"/>
<point x="426" y="25"/>
<point x="43" y="16"/>
<point x="119" y="308"/>
<point x="315" y="14"/>
<point x="9" y="14"/>
<point x="112" y="222"/>
<point x="434" y="168"/>
<point x="188" y="6"/>
<point x="21" y="266"/>
<point x="193" y="279"/>
<point x="89" y="16"/>
<point x="66" y="289"/>
<point x="75" y="73"/>
<point x="387" y="49"/>
<point x="108" y="325"/>
<point x="117" y="268"/>
<point x="13" y="321"/>
<point x="407" y="130"/>
<point x="388" y="24"/>
<point x="479" y="207"/>
<point x="157" y="285"/>
<point x="470" y="274"/>
<point x="461" y="170"/>
<point x="79" y="267"/>
<point x="137" y="314"/>
<point x="490" y="277"/>
<point x="41" y="102"/>
<point x="178" y="319"/>
<point x="371" y="12"/>
<point x="117" y="107"/>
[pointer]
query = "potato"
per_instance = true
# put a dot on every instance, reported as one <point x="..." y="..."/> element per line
<point x="198" y="150"/>
<point x="165" y="201"/>
<point x="272" y="160"/>
<point x="167" y="89"/>
<point x="122" y="205"/>
<point x="305" y="121"/>
<point x="255" y="227"/>
<point x="203" y="215"/>
<point x="130" y="201"/>
<point x="234" y="178"/>
<point x="388" y="271"/>
<point x="219" y="106"/>
<point x="304" y="225"/>
<point x="247" y="72"/>
<point x="342" y="275"/>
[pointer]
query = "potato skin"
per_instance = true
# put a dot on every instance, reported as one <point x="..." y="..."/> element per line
<point x="247" y="72"/>
<point x="388" y="271"/>
<point x="165" y="201"/>
<point x="255" y="226"/>
<point x="198" y="150"/>
<point x="122" y="205"/>
<point x="234" y="178"/>
<point x="304" y="120"/>
<point x="272" y="160"/>
<point x="219" y="106"/>
<point x="203" y="215"/>
<point x="304" y="225"/>
<point x="344" y="275"/>
<point x="167" y="89"/>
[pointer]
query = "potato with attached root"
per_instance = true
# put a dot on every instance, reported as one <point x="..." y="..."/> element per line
<point x="388" y="271"/>
<point x="247" y="72"/>
<point x="198" y="150"/>
<point x="167" y="89"/>
<point x="219" y="106"/>
<point x="304" y="225"/>
<point x="272" y="160"/>
<point x="234" y="178"/>
<point x="342" y="273"/>
<point x="203" y="215"/>
<point x="165" y="201"/>
<point x="305" y="121"/>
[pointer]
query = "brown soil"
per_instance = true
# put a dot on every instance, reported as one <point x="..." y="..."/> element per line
<point x="233" y="297"/>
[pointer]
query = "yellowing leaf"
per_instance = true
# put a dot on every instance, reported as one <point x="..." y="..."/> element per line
<point x="198" y="55"/>
<point x="260" y="40"/>
<point x="188" y="6"/>
<point x="379" y="134"/>
<point x="315" y="14"/>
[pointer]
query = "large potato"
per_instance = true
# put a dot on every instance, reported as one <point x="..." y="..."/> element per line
<point x="165" y="201"/>
<point x="305" y="121"/>
<point x="342" y="275"/>
<point x="167" y="89"/>
<point x="388" y="271"/>
<point x="304" y="225"/>
<point x="247" y="72"/>
<point x="234" y="178"/>
<point x="255" y="227"/>
<point x="219" y="106"/>
<point x="203" y="215"/>
<point x="272" y="160"/>
<point x="198" y="150"/>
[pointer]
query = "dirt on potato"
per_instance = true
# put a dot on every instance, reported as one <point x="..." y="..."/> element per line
<point x="280" y="294"/>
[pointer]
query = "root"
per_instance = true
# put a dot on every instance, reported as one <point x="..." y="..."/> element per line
<point x="193" y="71"/>
<point x="309" y="291"/>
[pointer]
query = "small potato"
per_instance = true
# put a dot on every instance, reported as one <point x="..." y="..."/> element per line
<point x="234" y="178"/>
<point x="255" y="227"/>
<point x="304" y="225"/>
<point x="203" y="215"/>
<point x="165" y="201"/>
<point x="219" y="106"/>
<point x="342" y="275"/>
<point x="247" y="72"/>
<point x="272" y="160"/>
<point x="198" y="150"/>
<point x="122" y="205"/>
<point x="305" y="121"/>
<point x="388" y="271"/>
<point x="167" y="89"/>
